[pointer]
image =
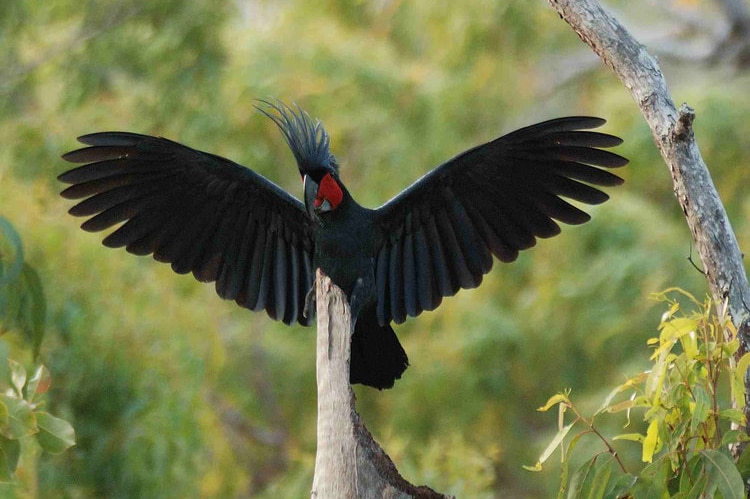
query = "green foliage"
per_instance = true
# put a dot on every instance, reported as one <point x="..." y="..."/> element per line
<point x="167" y="384"/>
<point x="23" y="308"/>
<point x="22" y="302"/>
<point x="690" y="416"/>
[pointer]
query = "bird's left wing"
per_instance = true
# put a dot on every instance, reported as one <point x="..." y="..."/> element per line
<point x="202" y="213"/>
<point x="440" y="234"/>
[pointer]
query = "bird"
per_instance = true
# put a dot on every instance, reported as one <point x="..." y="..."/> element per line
<point x="227" y="224"/>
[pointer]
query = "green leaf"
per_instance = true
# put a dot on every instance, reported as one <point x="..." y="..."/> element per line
<point x="17" y="376"/>
<point x="738" y="380"/>
<point x="11" y="263"/>
<point x="702" y="408"/>
<point x="690" y="473"/>
<point x="655" y="381"/>
<point x="11" y="250"/>
<point x="723" y="473"/>
<point x="652" y="482"/>
<point x="38" y="384"/>
<point x="10" y="452"/>
<point x="743" y="463"/>
<point x="34" y="309"/>
<point x="733" y="415"/>
<point x="699" y="488"/>
<point x="55" y="435"/>
<point x="621" y="487"/>
<point x="565" y="464"/>
<point x="21" y="420"/>
<point x="22" y="301"/>
<point x="550" y="448"/>
<point x="4" y="416"/>
<point x="733" y="437"/>
<point x="591" y="480"/>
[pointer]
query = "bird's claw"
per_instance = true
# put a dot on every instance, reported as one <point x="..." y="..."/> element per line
<point x="309" y="303"/>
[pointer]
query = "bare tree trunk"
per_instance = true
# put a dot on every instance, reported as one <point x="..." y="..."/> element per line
<point x="348" y="463"/>
<point x="673" y="134"/>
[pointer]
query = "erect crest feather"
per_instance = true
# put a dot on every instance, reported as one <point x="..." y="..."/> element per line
<point x="307" y="139"/>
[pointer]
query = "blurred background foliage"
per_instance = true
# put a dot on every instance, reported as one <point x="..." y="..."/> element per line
<point x="175" y="393"/>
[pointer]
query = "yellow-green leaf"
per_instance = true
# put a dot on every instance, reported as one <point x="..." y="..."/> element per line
<point x="550" y="448"/>
<point x="733" y="415"/>
<point x="738" y="380"/>
<point x="554" y="400"/>
<point x="633" y="437"/>
<point x="650" y="442"/>
<point x="630" y="383"/>
<point x="677" y="328"/>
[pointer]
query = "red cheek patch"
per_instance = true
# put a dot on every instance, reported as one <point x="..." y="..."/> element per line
<point x="330" y="191"/>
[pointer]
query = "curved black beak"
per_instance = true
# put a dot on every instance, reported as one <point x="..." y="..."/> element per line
<point x="311" y="193"/>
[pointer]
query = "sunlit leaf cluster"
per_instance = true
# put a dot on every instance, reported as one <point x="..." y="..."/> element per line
<point x="690" y="400"/>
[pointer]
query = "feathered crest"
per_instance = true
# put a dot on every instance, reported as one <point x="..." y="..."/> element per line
<point x="307" y="139"/>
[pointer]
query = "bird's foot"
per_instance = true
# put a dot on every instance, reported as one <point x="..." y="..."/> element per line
<point x="309" y="308"/>
<point x="360" y="297"/>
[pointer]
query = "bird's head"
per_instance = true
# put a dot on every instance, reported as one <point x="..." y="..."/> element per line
<point x="310" y="145"/>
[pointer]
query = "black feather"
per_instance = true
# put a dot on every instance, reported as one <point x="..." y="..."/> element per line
<point x="396" y="283"/>
<point x="409" y="275"/>
<point x="280" y="277"/>
<point x="382" y="267"/>
<point x="293" y="286"/>
<point x="424" y="274"/>
<point x="446" y="286"/>
<point x="229" y="280"/>
<point x="460" y="273"/>
<point x="478" y="258"/>
<point x="265" y="296"/>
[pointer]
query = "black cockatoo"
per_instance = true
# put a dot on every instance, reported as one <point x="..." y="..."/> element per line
<point x="223" y="222"/>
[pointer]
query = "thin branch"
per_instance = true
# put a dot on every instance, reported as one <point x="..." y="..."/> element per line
<point x="737" y="13"/>
<point x="672" y="130"/>
<point x="677" y="34"/>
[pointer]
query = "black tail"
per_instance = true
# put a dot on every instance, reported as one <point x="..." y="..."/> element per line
<point x="378" y="359"/>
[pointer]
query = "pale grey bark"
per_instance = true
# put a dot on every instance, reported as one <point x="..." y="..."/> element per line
<point x="673" y="133"/>
<point x="348" y="463"/>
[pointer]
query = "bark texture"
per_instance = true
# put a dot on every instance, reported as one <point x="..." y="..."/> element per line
<point x="349" y="463"/>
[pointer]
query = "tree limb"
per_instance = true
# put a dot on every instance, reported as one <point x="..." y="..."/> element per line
<point x="673" y="133"/>
<point x="348" y="463"/>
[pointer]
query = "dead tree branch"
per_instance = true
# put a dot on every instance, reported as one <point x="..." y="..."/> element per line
<point x="673" y="133"/>
<point x="348" y="463"/>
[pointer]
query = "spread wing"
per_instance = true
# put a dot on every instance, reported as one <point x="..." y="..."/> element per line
<point x="440" y="234"/>
<point x="202" y="213"/>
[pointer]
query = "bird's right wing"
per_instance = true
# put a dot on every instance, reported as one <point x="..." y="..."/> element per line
<point x="440" y="234"/>
<point x="202" y="213"/>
